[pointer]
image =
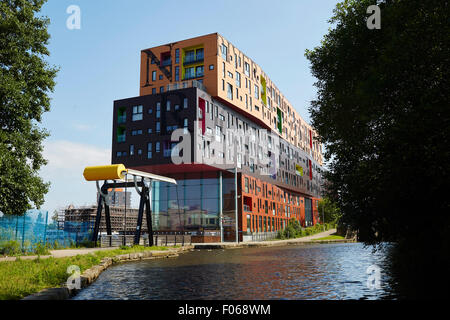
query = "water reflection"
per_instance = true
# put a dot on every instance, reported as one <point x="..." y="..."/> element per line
<point x="326" y="271"/>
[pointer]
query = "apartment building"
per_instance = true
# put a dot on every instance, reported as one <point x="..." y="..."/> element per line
<point x="208" y="116"/>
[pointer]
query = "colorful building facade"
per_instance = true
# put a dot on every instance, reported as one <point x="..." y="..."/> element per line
<point x="208" y="116"/>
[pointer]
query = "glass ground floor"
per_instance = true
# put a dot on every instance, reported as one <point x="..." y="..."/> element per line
<point x="196" y="203"/>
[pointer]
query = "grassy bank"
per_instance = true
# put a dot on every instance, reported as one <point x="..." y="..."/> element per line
<point x="294" y="230"/>
<point x="331" y="237"/>
<point x="23" y="277"/>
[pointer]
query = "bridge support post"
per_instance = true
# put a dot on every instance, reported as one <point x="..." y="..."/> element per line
<point x="97" y="219"/>
<point x="148" y="216"/>
<point x="142" y="203"/>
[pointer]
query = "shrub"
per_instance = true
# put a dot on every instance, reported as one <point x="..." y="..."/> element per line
<point x="56" y="245"/>
<point x="10" y="247"/>
<point x="87" y="244"/>
<point x="40" y="249"/>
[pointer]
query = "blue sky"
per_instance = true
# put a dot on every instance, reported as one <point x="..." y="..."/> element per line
<point x="100" y="63"/>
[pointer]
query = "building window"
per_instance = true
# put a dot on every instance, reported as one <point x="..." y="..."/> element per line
<point x="185" y="125"/>
<point x="158" y="127"/>
<point x="211" y="67"/>
<point x="230" y="74"/>
<point x="131" y="149"/>
<point x="158" y="147"/>
<point x="189" y="73"/>
<point x="177" y="73"/>
<point x="153" y="90"/>
<point x="224" y="50"/>
<point x="185" y="103"/>
<point x="137" y="113"/>
<point x="199" y="71"/>
<point x="218" y="134"/>
<point x="150" y="111"/>
<point x="149" y="150"/>
<point x="139" y="151"/>
<point x="211" y="114"/>
<point x="136" y="132"/>
<point x="230" y="91"/>
<point x="199" y="54"/>
<point x="119" y="154"/>
<point x="247" y="69"/>
<point x="238" y="79"/>
<point x="161" y="89"/>
<point x="223" y="69"/>
<point x="177" y="107"/>
<point x="158" y="109"/>
<point x="168" y="147"/>
<point x="189" y="56"/>
<point x="153" y="75"/>
<point x="223" y="85"/>
<point x="121" y="134"/>
<point x="171" y="128"/>
<point x="168" y="106"/>
<point x="150" y="130"/>
<point x="256" y="91"/>
<point x="177" y="55"/>
<point x="160" y="77"/>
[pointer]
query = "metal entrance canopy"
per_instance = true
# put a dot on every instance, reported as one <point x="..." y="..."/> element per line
<point x="123" y="178"/>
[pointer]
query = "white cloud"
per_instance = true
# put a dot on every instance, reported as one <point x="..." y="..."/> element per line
<point x="66" y="163"/>
<point x="71" y="155"/>
<point x="83" y="127"/>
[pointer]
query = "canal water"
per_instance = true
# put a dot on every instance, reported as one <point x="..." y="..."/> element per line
<point x="316" y="271"/>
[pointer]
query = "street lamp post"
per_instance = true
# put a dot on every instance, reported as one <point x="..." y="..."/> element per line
<point x="221" y="207"/>
<point x="323" y="217"/>
<point x="236" y="204"/>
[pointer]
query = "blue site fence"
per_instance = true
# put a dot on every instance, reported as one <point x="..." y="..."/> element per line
<point x="34" y="227"/>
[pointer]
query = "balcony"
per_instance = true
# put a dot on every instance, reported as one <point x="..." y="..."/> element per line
<point x="193" y="59"/>
<point x="193" y="75"/>
<point x="186" y="84"/>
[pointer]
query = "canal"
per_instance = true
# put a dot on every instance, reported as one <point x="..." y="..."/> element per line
<point x="316" y="271"/>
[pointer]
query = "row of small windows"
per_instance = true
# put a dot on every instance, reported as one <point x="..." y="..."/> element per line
<point x="168" y="147"/>
<point x="122" y="135"/>
<point x="137" y="111"/>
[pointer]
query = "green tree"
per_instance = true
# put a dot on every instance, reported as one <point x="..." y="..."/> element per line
<point x="382" y="110"/>
<point x="329" y="210"/>
<point x="26" y="80"/>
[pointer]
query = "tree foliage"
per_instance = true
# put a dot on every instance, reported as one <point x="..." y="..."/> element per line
<point x="382" y="111"/>
<point x="26" y="80"/>
<point x="329" y="210"/>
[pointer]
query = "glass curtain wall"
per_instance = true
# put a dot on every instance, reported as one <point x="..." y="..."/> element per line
<point x="308" y="212"/>
<point x="194" y="204"/>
